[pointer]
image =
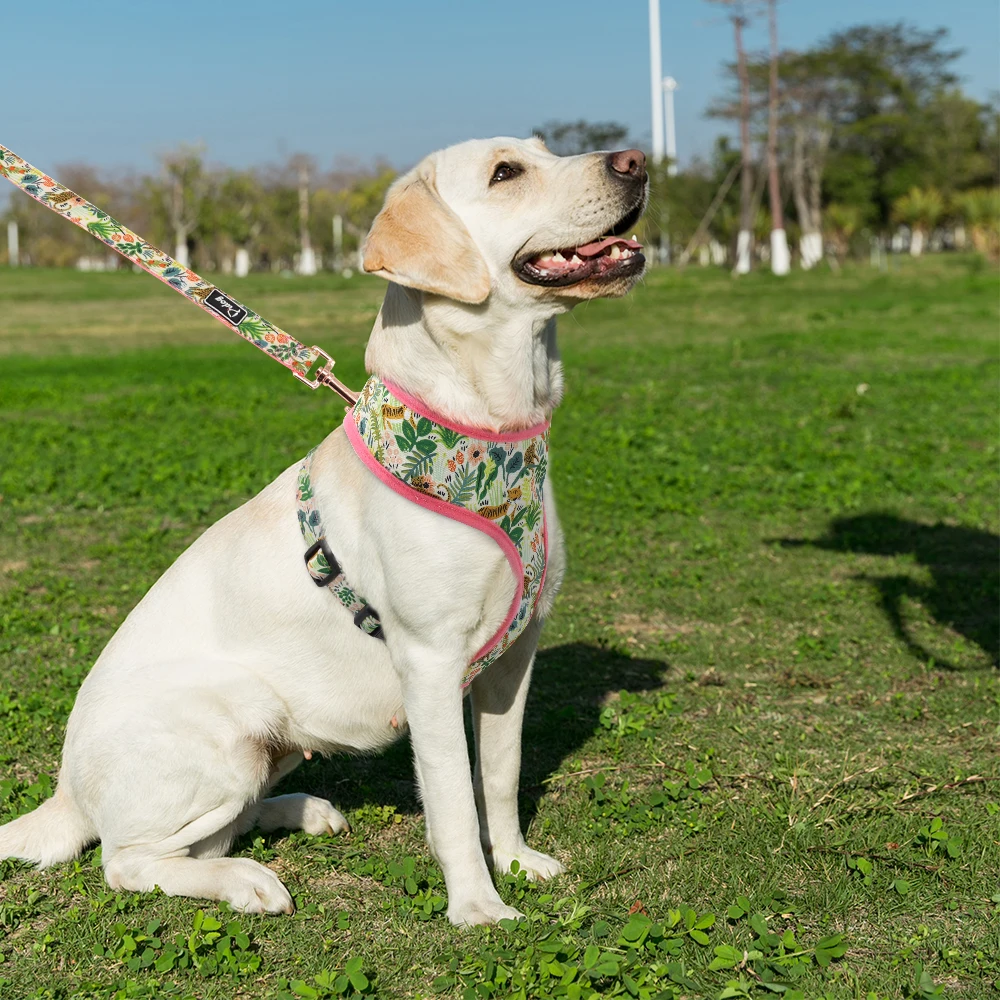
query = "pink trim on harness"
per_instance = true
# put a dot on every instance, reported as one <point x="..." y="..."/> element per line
<point x="487" y="480"/>
<point x="480" y="433"/>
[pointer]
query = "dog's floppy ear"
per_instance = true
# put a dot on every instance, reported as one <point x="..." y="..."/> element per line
<point x="417" y="240"/>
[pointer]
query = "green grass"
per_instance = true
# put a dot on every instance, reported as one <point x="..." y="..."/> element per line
<point x="763" y="728"/>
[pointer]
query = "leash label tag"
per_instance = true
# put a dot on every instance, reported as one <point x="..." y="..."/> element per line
<point x="221" y="304"/>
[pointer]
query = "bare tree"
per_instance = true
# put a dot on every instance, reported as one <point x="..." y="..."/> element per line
<point x="185" y="190"/>
<point x="779" y="241"/>
<point x="744" y="238"/>
<point x="307" y="256"/>
<point x="809" y="98"/>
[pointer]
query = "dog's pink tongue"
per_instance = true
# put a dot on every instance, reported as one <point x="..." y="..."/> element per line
<point x="593" y="249"/>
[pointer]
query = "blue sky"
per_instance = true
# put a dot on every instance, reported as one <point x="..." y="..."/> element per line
<point x="257" y="81"/>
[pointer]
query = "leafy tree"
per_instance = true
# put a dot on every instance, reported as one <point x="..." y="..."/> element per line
<point x="886" y="77"/>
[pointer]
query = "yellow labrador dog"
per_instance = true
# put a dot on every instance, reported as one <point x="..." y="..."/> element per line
<point x="235" y="665"/>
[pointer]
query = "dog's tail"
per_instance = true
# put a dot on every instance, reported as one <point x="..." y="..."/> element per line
<point x="56" y="831"/>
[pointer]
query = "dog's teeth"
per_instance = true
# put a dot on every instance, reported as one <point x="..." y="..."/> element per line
<point x="575" y="259"/>
<point x="615" y="252"/>
<point x="626" y="253"/>
<point x="559" y="258"/>
<point x="634" y="240"/>
<point x="543" y="257"/>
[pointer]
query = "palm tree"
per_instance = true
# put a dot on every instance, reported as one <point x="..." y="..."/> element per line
<point x="920" y="209"/>
<point x="979" y="209"/>
<point x="841" y="223"/>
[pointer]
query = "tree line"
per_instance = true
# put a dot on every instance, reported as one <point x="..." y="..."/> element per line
<point x="871" y="132"/>
<point x="217" y="218"/>
<point x="843" y="143"/>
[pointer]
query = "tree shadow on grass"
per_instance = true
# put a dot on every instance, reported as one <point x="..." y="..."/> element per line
<point x="964" y="564"/>
<point x="568" y="688"/>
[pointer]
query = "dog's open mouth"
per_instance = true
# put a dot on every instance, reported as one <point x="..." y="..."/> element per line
<point x="609" y="257"/>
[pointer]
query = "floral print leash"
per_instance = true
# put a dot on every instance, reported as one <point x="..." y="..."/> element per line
<point x="456" y="472"/>
<point x="285" y="349"/>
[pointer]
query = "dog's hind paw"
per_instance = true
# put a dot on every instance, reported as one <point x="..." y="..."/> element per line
<point x="535" y="865"/>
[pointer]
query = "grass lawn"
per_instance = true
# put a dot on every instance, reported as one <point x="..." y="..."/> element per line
<point x="764" y="725"/>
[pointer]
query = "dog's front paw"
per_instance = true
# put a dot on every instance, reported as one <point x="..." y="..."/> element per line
<point x="489" y="911"/>
<point x="535" y="865"/>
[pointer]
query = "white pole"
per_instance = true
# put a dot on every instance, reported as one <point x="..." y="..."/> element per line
<point x="13" y="253"/>
<point x="656" y="78"/>
<point x="669" y="86"/>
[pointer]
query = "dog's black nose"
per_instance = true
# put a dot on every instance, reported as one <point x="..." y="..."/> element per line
<point x="628" y="163"/>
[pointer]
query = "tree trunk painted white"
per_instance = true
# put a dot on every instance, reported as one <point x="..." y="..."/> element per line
<point x="307" y="261"/>
<point x="780" y="258"/>
<point x="704" y="255"/>
<point x="916" y="242"/>
<point x="181" y="254"/>
<point x="960" y="237"/>
<point x="744" y="241"/>
<point x="241" y="267"/>
<point x="718" y="252"/>
<point x="307" y="256"/>
<point x="810" y="249"/>
<point x="338" y="242"/>
<point x="13" y="248"/>
<point x="779" y="242"/>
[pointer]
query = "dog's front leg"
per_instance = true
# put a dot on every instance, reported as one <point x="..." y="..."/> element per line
<point x="498" y="698"/>
<point x="433" y="701"/>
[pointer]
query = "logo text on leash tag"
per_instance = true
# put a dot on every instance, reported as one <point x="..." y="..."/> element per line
<point x="227" y="308"/>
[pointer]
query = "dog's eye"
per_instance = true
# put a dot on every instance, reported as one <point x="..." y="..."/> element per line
<point x="505" y="172"/>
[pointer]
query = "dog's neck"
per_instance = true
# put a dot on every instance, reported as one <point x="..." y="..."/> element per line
<point x="497" y="369"/>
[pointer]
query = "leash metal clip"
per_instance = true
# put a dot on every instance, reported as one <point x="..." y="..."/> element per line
<point x="324" y="376"/>
<point x="318" y="380"/>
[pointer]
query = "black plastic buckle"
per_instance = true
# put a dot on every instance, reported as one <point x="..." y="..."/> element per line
<point x="368" y="612"/>
<point x="335" y="570"/>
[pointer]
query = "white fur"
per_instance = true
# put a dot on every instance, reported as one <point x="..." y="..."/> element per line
<point x="235" y="663"/>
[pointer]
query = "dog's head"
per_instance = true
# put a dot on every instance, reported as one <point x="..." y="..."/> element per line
<point x="509" y="218"/>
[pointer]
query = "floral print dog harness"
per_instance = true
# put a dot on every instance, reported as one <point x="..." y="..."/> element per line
<point x="487" y="480"/>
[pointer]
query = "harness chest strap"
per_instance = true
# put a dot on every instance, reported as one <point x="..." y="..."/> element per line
<point x="492" y="482"/>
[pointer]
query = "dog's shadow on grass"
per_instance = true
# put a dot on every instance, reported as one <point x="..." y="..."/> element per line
<point x="963" y="563"/>
<point x="568" y="688"/>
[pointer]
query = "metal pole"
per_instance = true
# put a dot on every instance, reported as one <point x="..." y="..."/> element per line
<point x="669" y="86"/>
<point x="656" y="78"/>
<point x="13" y="253"/>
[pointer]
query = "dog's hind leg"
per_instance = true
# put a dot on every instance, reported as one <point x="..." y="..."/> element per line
<point x="199" y="869"/>
<point x="185" y="764"/>
<point x="246" y="885"/>
<point x="296" y="811"/>
<point x="498" y="697"/>
<point x="300" y="812"/>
